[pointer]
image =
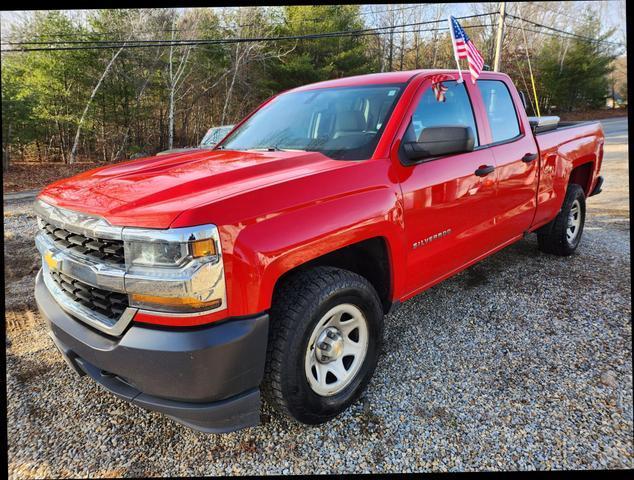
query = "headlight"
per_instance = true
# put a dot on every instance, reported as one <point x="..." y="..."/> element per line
<point x="169" y="248"/>
<point x="178" y="270"/>
<point x="157" y="254"/>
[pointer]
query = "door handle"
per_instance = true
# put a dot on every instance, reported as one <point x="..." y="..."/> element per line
<point x="529" y="157"/>
<point x="484" y="170"/>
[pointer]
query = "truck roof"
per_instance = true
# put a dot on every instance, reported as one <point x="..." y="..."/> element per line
<point x="386" y="78"/>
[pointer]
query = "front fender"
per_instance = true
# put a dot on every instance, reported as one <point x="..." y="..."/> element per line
<point x="269" y="230"/>
<point x="266" y="250"/>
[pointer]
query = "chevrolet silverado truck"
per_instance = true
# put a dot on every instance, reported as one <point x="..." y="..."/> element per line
<point x="192" y="284"/>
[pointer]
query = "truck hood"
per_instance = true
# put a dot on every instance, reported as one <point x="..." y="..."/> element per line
<point x="152" y="192"/>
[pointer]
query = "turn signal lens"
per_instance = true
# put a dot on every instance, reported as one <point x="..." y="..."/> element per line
<point x="203" y="248"/>
<point x="186" y="302"/>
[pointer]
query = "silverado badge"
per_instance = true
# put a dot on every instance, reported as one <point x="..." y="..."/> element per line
<point x="431" y="238"/>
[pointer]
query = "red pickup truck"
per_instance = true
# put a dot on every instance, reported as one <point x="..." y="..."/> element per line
<point x="189" y="283"/>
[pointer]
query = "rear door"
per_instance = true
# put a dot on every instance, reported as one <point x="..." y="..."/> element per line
<point x="516" y="157"/>
<point x="448" y="209"/>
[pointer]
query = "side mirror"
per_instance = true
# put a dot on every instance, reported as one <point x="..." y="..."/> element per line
<point x="438" y="141"/>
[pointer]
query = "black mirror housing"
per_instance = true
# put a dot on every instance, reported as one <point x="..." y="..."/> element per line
<point x="439" y="141"/>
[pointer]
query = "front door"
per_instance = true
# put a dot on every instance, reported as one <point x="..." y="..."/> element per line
<point x="448" y="208"/>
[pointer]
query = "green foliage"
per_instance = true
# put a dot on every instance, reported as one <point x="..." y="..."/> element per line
<point x="575" y="77"/>
<point x="320" y="59"/>
<point x="46" y="87"/>
<point x="18" y="125"/>
<point x="45" y="93"/>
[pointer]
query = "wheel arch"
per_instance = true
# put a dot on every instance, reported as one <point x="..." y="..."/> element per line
<point x="369" y="258"/>
<point x="582" y="175"/>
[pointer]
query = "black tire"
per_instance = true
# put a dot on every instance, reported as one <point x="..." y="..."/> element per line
<point x="298" y="305"/>
<point x="552" y="237"/>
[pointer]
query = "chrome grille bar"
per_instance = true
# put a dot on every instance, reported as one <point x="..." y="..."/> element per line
<point x="111" y="326"/>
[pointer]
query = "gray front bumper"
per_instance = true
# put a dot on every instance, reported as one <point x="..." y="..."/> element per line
<point x="207" y="378"/>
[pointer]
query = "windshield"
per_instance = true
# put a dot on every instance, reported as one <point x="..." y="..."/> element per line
<point x="214" y="135"/>
<point x="342" y="123"/>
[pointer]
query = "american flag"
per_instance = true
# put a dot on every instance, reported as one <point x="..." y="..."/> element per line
<point x="438" y="87"/>
<point x="464" y="48"/>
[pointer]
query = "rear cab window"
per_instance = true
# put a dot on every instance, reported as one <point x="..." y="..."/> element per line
<point x="500" y="110"/>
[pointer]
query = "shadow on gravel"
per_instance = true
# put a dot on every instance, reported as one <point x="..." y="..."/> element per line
<point x="29" y="370"/>
<point x="20" y="259"/>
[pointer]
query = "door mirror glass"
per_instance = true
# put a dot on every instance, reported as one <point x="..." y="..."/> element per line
<point x="439" y="141"/>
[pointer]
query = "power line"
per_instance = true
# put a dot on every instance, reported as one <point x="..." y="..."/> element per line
<point x="111" y="44"/>
<point x="583" y="37"/>
<point x="99" y="44"/>
<point x="543" y="8"/>
<point x="409" y="7"/>
<point x="312" y="19"/>
<point x="224" y="41"/>
<point x="318" y="19"/>
<point x="167" y="30"/>
<point x="56" y="42"/>
<point x="515" y="27"/>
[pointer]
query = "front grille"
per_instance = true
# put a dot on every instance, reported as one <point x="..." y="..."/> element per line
<point x="109" y="304"/>
<point x="103" y="250"/>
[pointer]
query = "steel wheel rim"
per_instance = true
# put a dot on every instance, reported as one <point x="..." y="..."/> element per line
<point x="329" y="371"/>
<point x="574" y="222"/>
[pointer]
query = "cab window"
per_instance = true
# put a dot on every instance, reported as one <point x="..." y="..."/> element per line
<point x="500" y="110"/>
<point x="455" y="110"/>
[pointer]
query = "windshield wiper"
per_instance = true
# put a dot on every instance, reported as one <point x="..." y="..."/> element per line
<point x="272" y="148"/>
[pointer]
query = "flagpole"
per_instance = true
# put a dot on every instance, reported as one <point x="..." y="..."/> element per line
<point x="453" y="45"/>
<point x="530" y="70"/>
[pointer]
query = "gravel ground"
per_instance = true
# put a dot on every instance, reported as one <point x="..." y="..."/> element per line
<point x="523" y="361"/>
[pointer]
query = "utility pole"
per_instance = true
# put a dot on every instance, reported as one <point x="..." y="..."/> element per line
<point x="500" y="38"/>
<point x="391" y="48"/>
<point x="391" y="37"/>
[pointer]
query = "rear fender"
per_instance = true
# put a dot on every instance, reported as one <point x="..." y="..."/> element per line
<point x="575" y="160"/>
<point x="582" y="175"/>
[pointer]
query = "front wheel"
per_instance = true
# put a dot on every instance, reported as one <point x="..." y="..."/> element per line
<point x="562" y="235"/>
<point x="325" y="336"/>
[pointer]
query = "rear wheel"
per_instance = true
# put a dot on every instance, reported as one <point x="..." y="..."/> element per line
<point x="325" y="336"/>
<point x="562" y="235"/>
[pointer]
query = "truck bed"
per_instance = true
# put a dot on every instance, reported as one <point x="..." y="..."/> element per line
<point x="567" y="125"/>
<point x="572" y="151"/>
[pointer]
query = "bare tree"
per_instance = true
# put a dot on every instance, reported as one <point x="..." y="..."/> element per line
<point x="138" y="98"/>
<point x="244" y="54"/>
<point x="73" y="152"/>
<point x="175" y="77"/>
<point x="438" y="12"/>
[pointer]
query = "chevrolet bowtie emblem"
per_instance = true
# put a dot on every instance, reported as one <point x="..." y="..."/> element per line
<point x="52" y="263"/>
